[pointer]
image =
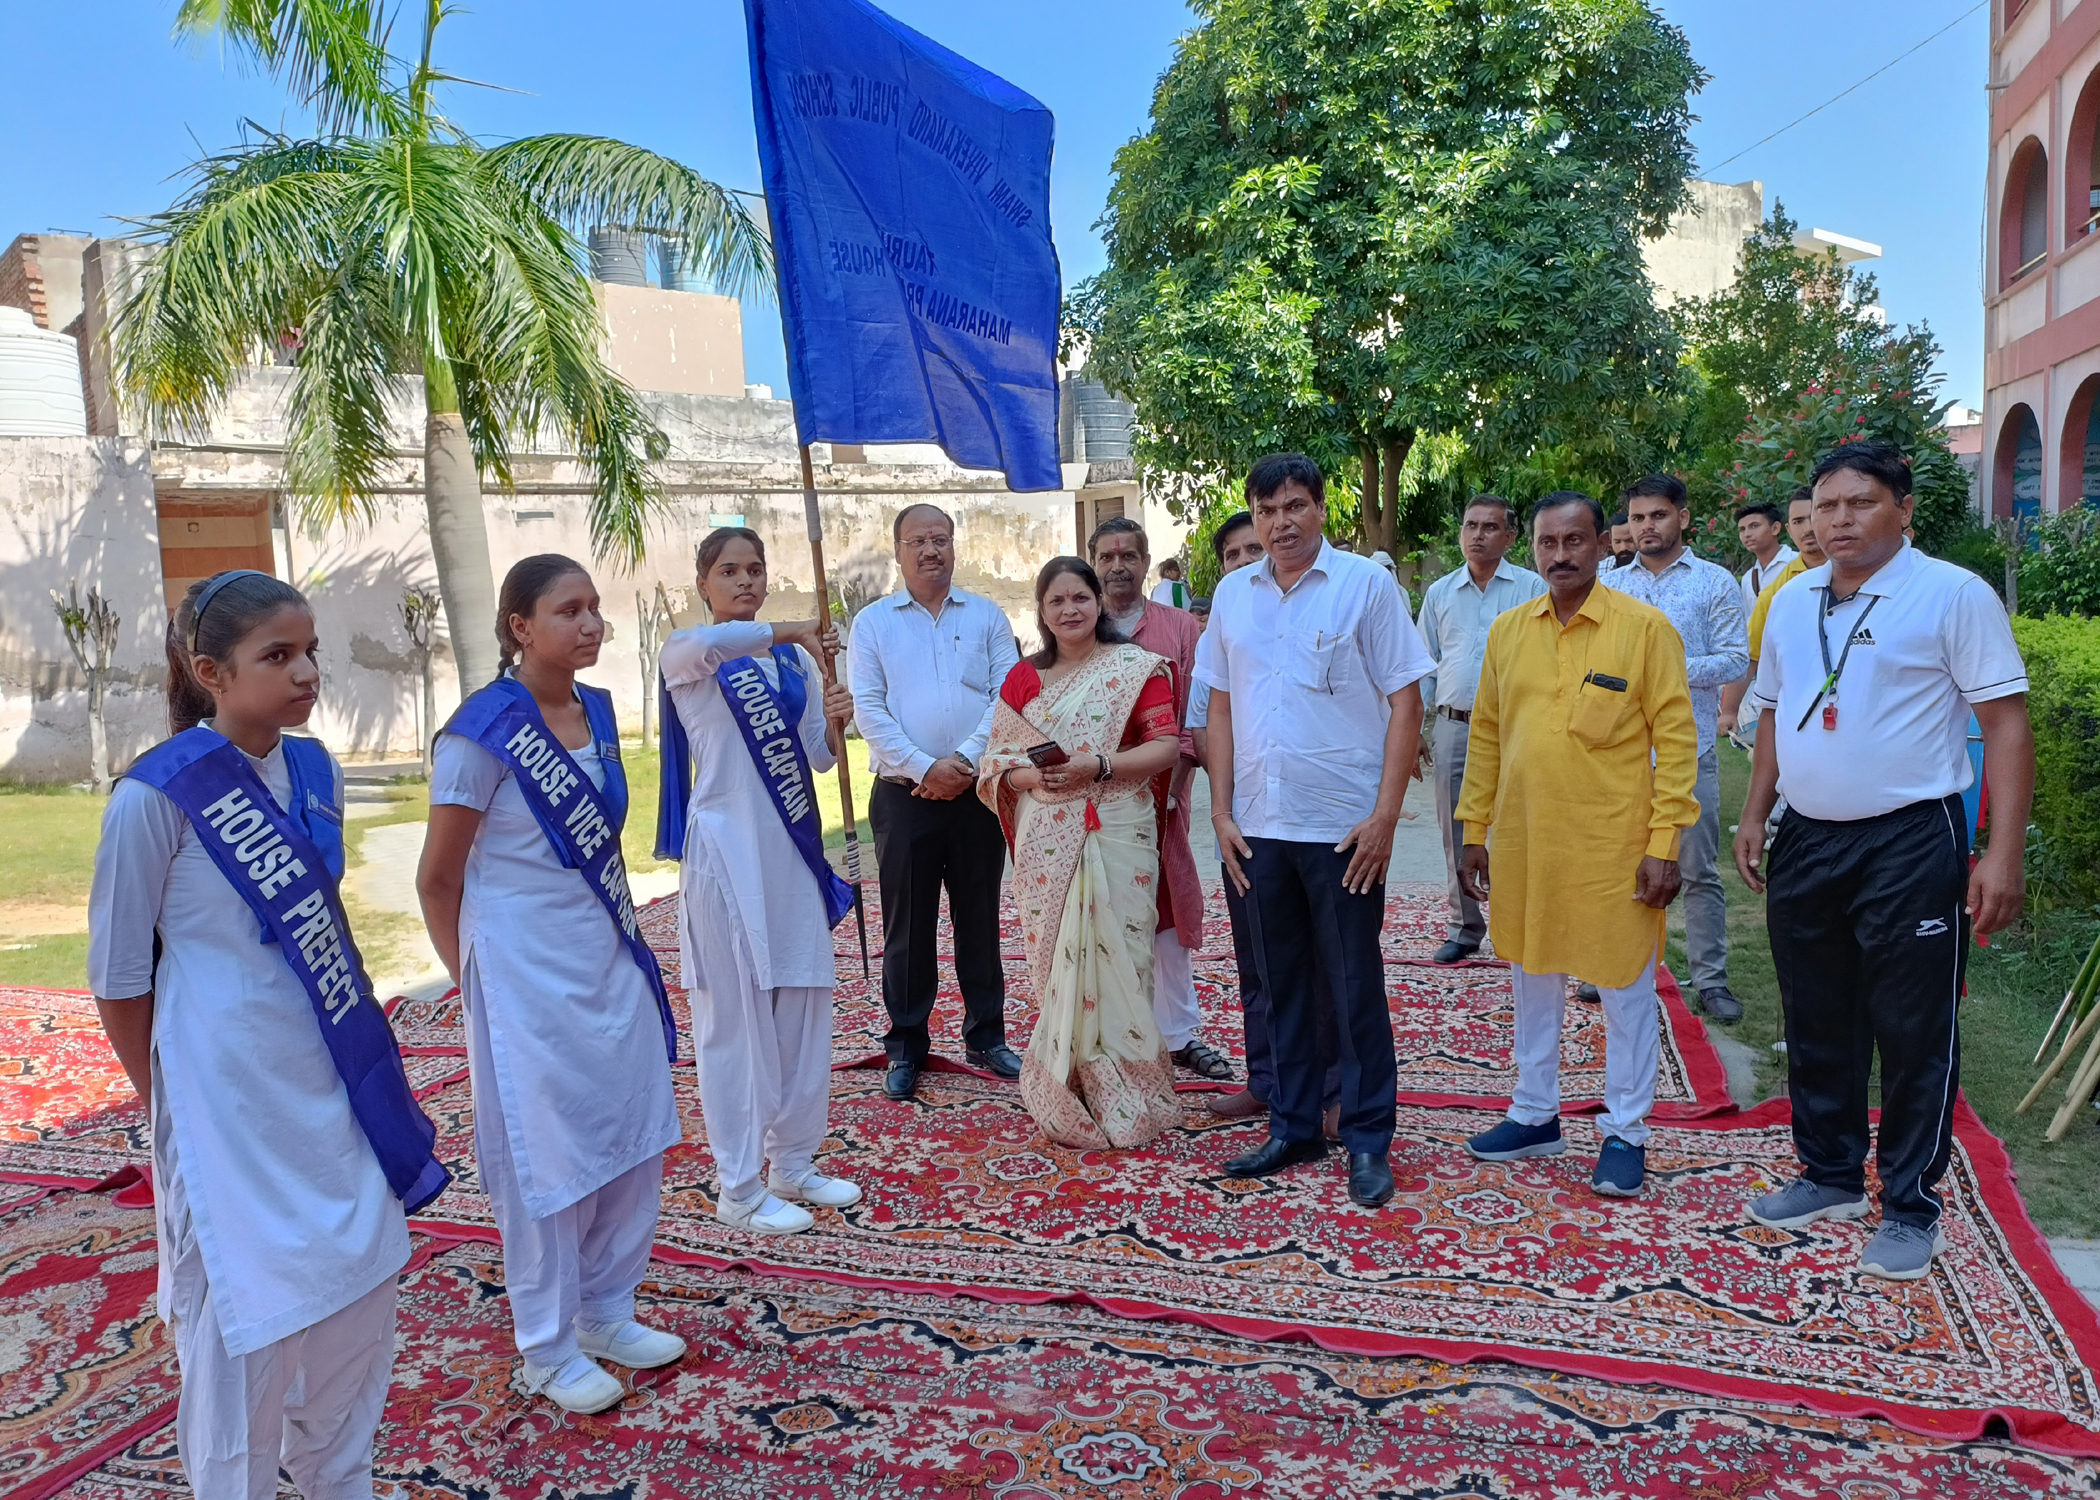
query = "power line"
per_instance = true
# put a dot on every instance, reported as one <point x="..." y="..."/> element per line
<point x="1782" y="130"/>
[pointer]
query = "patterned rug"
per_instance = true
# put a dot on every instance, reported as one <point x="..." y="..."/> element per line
<point x="1471" y="1260"/>
<point x="1453" y="1028"/>
<point x="85" y="1365"/>
<point x="799" y="1392"/>
<point x="68" y="1116"/>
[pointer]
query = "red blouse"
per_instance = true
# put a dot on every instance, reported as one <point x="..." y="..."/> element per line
<point x="1151" y="719"/>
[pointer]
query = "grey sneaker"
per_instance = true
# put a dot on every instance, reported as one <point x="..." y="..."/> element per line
<point x="1801" y="1202"/>
<point x="1901" y="1252"/>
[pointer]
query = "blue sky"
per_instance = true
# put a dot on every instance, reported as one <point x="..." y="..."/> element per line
<point x="98" y="117"/>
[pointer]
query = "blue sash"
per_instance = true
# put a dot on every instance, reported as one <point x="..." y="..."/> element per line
<point x="772" y="734"/>
<point x="286" y="867"/>
<point x="584" y="831"/>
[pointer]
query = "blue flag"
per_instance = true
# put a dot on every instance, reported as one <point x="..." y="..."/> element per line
<point x="909" y="192"/>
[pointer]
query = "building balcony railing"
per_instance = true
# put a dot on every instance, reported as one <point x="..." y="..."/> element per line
<point x="2039" y="260"/>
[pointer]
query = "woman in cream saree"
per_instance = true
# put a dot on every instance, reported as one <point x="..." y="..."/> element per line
<point x="1085" y="839"/>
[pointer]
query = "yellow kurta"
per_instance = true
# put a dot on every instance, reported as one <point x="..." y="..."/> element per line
<point x="1763" y="607"/>
<point x="1560" y="769"/>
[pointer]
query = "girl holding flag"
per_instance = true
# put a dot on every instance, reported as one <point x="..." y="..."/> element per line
<point x="569" y="1032"/>
<point x="286" y="1142"/>
<point x="747" y="716"/>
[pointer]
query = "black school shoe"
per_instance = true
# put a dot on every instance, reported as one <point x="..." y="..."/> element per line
<point x="1001" y="1060"/>
<point x="902" y="1081"/>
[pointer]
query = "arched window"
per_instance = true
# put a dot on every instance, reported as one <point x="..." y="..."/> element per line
<point x="2078" y="463"/>
<point x="2024" y="231"/>
<point x="2017" y="471"/>
<point x="2082" y="164"/>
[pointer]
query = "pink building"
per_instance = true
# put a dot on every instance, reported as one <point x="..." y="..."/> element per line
<point x="2041" y="259"/>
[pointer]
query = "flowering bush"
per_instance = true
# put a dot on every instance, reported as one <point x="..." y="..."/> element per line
<point x="1886" y="394"/>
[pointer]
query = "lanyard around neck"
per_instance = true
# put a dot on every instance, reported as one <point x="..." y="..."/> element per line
<point x="1832" y="674"/>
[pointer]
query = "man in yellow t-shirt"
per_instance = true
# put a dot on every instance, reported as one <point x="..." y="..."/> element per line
<point x="1800" y="527"/>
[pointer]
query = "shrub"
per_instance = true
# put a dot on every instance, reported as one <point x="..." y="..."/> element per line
<point x="2063" y="668"/>
<point x="2060" y="573"/>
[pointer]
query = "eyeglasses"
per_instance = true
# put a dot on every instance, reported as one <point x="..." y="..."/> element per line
<point x="937" y="543"/>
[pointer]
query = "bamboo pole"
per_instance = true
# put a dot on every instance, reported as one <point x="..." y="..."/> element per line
<point x="2072" y="996"/>
<point x="2080" y="1091"/>
<point x="2071" y="1045"/>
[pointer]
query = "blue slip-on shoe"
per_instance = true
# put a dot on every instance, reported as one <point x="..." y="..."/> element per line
<point x="1511" y="1141"/>
<point x="1620" y="1169"/>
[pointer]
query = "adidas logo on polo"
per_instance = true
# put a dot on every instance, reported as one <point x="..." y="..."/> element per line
<point x="1862" y="637"/>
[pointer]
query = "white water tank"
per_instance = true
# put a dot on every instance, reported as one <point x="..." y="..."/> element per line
<point x="39" y="380"/>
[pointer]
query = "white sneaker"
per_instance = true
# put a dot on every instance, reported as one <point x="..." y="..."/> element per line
<point x="764" y="1215"/>
<point x="629" y="1343"/>
<point x="580" y="1385"/>
<point x="815" y="1187"/>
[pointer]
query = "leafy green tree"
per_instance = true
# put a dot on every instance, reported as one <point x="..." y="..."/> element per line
<point x="392" y="244"/>
<point x="2060" y="564"/>
<point x="1356" y="222"/>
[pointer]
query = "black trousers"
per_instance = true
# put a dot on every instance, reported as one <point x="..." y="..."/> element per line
<point x="1316" y="947"/>
<point x="1258" y="1023"/>
<point x="922" y="845"/>
<point x="1870" y="939"/>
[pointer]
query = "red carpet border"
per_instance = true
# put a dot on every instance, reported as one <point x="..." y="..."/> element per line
<point x="794" y="1391"/>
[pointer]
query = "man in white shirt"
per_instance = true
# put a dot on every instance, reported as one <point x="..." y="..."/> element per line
<point x="1171" y="591"/>
<point x="1761" y="528"/>
<point x="1870" y="668"/>
<point x="1456" y="612"/>
<point x="1706" y="606"/>
<point x="926" y="664"/>
<point x="1315" y="720"/>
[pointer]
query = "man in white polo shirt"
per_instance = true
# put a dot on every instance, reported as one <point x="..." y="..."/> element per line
<point x="1871" y="665"/>
<point x="1315" y="719"/>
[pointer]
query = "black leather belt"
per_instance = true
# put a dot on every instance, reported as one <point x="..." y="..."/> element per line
<point x="1455" y="715"/>
<point x="898" y="780"/>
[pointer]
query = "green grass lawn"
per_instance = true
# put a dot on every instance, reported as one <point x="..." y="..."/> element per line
<point x="2014" y="987"/>
<point x="47" y="858"/>
<point x="638" y="842"/>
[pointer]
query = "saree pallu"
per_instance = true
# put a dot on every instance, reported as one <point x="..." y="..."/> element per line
<point x="1086" y="871"/>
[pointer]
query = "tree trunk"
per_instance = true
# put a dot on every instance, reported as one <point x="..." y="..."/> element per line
<point x="98" y="735"/>
<point x="459" y="537"/>
<point x="430" y="705"/>
<point x="1368" y="496"/>
<point x="645" y="623"/>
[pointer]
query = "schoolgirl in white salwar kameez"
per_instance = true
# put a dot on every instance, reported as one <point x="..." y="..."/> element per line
<point x="756" y="911"/>
<point x="279" y="1203"/>
<point x="568" y="1036"/>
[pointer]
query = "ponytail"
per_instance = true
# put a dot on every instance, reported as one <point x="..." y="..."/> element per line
<point x="214" y="617"/>
<point x="527" y="582"/>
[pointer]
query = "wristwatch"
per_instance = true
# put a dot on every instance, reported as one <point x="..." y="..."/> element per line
<point x="968" y="764"/>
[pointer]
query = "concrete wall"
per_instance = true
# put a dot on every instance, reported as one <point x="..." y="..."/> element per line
<point x="690" y="343"/>
<point x="1697" y="256"/>
<point x="76" y="509"/>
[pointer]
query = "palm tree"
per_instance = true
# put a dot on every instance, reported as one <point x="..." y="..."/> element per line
<point x="393" y="244"/>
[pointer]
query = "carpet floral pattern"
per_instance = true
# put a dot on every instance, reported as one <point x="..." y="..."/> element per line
<point x="1470" y="1260"/>
<point x="794" y="1390"/>
<point x="86" y="1366"/>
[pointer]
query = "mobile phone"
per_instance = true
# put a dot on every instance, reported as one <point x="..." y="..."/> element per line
<point x="1049" y="753"/>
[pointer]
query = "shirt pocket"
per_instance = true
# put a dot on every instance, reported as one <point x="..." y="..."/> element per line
<point x="973" y="665"/>
<point x="1324" y="662"/>
<point x="1602" y="713"/>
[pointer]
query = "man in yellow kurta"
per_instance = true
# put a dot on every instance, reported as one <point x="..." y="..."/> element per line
<point x="1583" y="760"/>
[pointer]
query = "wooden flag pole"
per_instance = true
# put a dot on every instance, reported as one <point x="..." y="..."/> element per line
<point x="815" y="523"/>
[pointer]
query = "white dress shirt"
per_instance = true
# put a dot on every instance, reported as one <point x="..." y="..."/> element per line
<point x="1456" y="613"/>
<point x="924" y="682"/>
<point x="1703" y="602"/>
<point x="1309" y="670"/>
<point x="252" y="1127"/>
<point x="1937" y="640"/>
<point x="1758" y="576"/>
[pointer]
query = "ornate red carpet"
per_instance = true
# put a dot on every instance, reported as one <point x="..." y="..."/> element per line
<point x="794" y="1391"/>
<point x="1452" y="1027"/>
<point x="85" y="1366"/>
<point x="68" y="1116"/>
<point x="1470" y="1260"/>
